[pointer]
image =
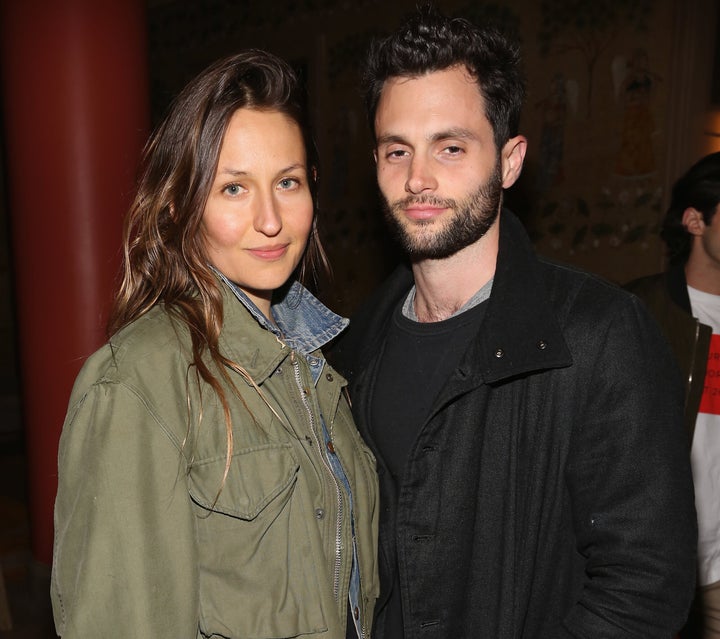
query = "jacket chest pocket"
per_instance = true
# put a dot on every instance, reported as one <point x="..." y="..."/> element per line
<point x="256" y="560"/>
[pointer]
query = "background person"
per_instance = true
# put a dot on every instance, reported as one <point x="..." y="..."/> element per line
<point x="686" y="302"/>
<point x="211" y="481"/>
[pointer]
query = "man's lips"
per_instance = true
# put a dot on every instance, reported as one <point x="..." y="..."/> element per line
<point x="269" y="252"/>
<point x="422" y="211"/>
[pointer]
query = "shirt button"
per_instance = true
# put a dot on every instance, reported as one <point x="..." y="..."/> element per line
<point x="330" y="447"/>
<point x="356" y="612"/>
<point x="499" y="352"/>
<point x="319" y="513"/>
<point x="542" y="344"/>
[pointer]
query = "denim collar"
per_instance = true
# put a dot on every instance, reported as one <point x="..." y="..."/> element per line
<point x="304" y="323"/>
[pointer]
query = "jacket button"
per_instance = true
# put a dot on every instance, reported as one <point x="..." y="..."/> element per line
<point x="542" y="344"/>
<point x="499" y="352"/>
<point x="319" y="513"/>
<point x="279" y="370"/>
<point x="329" y="377"/>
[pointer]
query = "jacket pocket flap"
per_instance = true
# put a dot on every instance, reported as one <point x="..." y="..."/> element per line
<point x="255" y="478"/>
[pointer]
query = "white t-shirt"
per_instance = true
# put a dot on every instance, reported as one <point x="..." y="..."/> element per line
<point x="706" y="444"/>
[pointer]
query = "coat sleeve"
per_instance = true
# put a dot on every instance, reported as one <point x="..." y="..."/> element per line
<point x="631" y="487"/>
<point x="124" y="560"/>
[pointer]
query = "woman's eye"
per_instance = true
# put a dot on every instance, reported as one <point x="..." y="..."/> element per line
<point x="233" y="189"/>
<point x="289" y="183"/>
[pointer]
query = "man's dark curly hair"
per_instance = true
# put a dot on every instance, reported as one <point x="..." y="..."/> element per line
<point x="430" y="41"/>
<point x="698" y="188"/>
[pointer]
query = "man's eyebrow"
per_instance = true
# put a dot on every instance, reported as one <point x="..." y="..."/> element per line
<point x="448" y="134"/>
<point x="391" y="139"/>
<point x="455" y="132"/>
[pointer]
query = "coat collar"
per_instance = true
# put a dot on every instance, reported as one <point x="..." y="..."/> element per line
<point x="677" y="287"/>
<point x="520" y="332"/>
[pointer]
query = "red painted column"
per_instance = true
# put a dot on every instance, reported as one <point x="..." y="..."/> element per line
<point x="76" y="114"/>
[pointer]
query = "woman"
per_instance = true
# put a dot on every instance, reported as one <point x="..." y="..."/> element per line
<point x="211" y="481"/>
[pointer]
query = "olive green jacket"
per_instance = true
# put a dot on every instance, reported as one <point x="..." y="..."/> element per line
<point x="152" y="539"/>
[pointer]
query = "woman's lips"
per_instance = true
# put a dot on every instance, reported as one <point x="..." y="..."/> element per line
<point x="273" y="252"/>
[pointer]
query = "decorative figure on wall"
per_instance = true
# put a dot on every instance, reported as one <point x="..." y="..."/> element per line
<point x="562" y="96"/>
<point x="634" y="84"/>
<point x="587" y="29"/>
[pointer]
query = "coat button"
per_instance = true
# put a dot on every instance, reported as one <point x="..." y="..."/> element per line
<point x="542" y="344"/>
<point x="319" y="513"/>
<point x="499" y="352"/>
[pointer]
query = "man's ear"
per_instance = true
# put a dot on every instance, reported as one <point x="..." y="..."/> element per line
<point x="512" y="158"/>
<point x="693" y="221"/>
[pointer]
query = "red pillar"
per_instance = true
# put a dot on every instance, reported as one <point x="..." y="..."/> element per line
<point x="76" y="114"/>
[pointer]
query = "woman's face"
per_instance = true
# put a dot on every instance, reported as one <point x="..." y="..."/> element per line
<point x="260" y="210"/>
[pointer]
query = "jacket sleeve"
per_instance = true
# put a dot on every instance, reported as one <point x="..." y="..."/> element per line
<point x="631" y="487"/>
<point x="124" y="560"/>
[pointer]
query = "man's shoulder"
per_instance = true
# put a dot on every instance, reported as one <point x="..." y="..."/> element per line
<point x="566" y="282"/>
<point x="648" y="285"/>
<point x="367" y="323"/>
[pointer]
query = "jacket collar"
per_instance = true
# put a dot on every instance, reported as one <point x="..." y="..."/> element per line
<point x="520" y="332"/>
<point x="677" y="287"/>
<point x="304" y="325"/>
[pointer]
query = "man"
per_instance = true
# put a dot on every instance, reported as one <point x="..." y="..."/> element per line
<point x="526" y="417"/>
<point x="686" y="302"/>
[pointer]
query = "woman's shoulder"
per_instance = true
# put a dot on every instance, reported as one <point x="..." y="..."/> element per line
<point x="147" y="352"/>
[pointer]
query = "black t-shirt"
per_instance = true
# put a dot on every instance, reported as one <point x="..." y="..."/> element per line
<point x="417" y="361"/>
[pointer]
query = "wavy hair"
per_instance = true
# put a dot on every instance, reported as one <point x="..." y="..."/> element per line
<point x="430" y="41"/>
<point x="164" y="254"/>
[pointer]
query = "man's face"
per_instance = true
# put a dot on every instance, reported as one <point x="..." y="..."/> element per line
<point x="438" y="169"/>
<point x="710" y="242"/>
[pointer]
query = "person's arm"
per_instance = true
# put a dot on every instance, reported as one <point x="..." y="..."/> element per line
<point x="631" y="487"/>
<point x="124" y="557"/>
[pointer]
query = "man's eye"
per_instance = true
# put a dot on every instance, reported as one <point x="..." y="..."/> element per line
<point x="453" y="149"/>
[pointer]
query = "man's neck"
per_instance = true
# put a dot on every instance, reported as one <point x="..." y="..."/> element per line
<point x="442" y="287"/>
<point x="703" y="274"/>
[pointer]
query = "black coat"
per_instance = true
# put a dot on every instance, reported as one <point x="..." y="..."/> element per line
<point x="549" y="492"/>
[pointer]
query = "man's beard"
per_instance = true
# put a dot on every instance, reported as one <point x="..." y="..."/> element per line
<point x="469" y="221"/>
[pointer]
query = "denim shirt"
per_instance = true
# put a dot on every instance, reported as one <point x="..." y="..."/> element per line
<point x="305" y="324"/>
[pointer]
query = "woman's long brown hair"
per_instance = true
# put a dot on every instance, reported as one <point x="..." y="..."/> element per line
<point x="164" y="256"/>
